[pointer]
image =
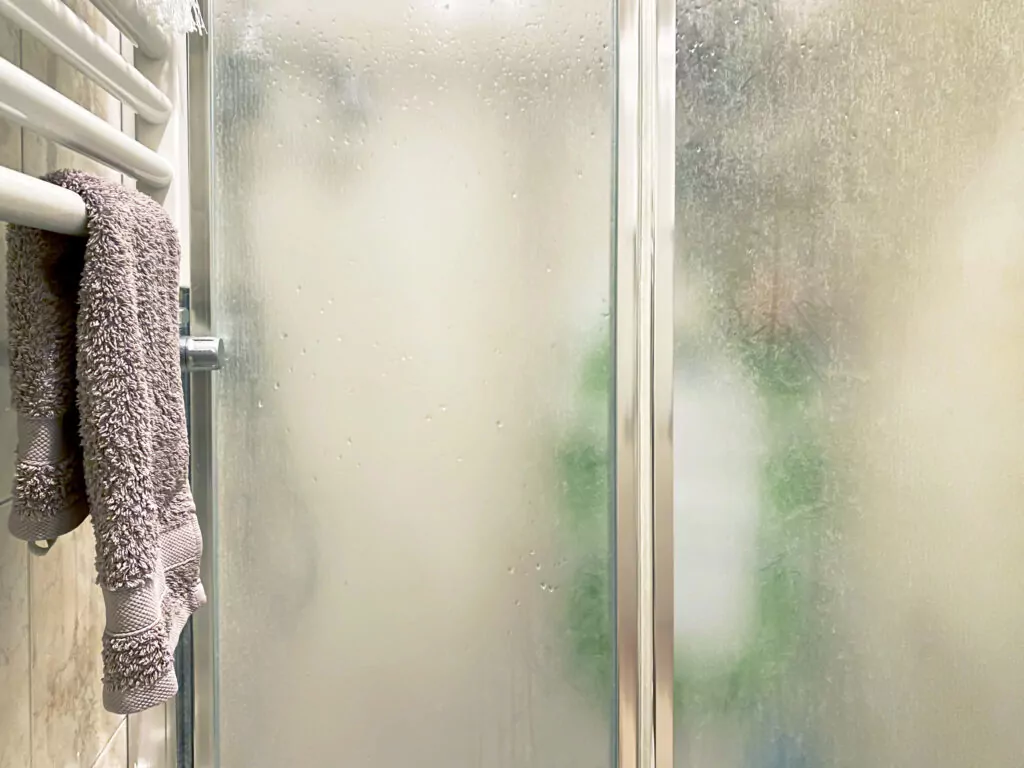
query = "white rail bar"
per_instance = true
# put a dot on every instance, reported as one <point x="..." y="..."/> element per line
<point x="35" y="203"/>
<point x="58" y="28"/>
<point x="126" y="16"/>
<point x="36" y="106"/>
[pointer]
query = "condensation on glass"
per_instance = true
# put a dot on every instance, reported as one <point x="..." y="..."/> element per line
<point x="849" y="371"/>
<point x="411" y="266"/>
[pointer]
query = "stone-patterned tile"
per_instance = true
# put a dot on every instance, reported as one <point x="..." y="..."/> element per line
<point x="69" y="724"/>
<point x="115" y="754"/>
<point x="14" y="649"/>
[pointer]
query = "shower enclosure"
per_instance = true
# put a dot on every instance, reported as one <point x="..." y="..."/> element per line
<point x="468" y="256"/>
<point x="430" y="265"/>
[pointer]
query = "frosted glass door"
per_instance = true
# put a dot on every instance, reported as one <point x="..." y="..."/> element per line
<point x="411" y="270"/>
<point x="848" y="384"/>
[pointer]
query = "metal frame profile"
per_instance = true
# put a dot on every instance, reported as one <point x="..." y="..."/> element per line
<point x="645" y="163"/>
<point x="204" y="622"/>
<point x="643" y="264"/>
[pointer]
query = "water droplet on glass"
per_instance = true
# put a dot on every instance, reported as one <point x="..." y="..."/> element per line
<point x="536" y="567"/>
<point x="518" y="603"/>
<point x="511" y="570"/>
<point x="499" y="425"/>
<point x="259" y="403"/>
<point x="277" y="385"/>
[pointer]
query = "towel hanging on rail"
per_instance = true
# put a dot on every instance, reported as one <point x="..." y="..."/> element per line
<point x="96" y="384"/>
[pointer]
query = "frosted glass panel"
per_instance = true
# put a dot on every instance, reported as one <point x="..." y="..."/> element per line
<point x="848" y="377"/>
<point x="412" y="211"/>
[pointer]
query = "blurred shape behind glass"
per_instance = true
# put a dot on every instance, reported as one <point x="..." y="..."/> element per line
<point x="849" y="370"/>
<point x="412" y="255"/>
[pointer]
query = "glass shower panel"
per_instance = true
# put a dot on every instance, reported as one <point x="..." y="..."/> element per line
<point x="849" y="585"/>
<point x="411" y="268"/>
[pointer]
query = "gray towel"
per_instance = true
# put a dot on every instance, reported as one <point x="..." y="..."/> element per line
<point x="96" y="383"/>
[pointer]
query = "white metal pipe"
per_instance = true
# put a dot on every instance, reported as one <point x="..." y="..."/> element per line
<point x="36" y="106"/>
<point x="32" y="202"/>
<point x="127" y="17"/>
<point x="58" y="28"/>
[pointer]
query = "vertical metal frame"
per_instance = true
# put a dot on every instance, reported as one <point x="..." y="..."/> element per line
<point x="628" y="437"/>
<point x="662" y="176"/>
<point x="643" y="283"/>
<point x="204" y="622"/>
<point x="645" y="189"/>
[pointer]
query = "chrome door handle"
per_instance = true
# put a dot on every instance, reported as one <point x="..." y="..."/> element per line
<point x="201" y="353"/>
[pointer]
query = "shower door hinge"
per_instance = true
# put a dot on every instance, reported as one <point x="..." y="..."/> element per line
<point x="201" y="353"/>
<point x="198" y="353"/>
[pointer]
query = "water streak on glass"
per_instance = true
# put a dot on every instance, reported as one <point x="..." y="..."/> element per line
<point x="848" y="378"/>
<point x="412" y="209"/>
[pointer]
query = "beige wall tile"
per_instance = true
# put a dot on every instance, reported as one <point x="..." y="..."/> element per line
<point x="14" y="649"/>
<point x="69" y="724"/>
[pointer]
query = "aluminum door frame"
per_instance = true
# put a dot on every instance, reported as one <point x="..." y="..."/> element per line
<point x="644" y="204"/>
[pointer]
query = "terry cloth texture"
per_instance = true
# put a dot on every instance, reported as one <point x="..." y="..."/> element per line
<point x="96" y="383"/>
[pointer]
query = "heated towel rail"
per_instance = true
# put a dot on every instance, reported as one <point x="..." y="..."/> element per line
<point x="144" y="70"/>
<point x="37" y="107"/>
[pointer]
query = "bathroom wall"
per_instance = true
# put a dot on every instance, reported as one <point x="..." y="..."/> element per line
<point x="51" y="612"/>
